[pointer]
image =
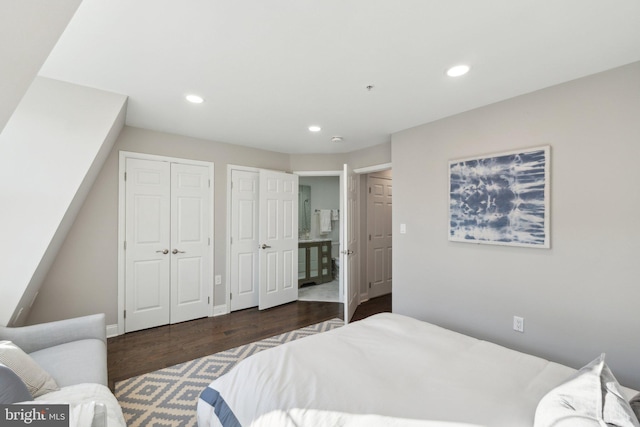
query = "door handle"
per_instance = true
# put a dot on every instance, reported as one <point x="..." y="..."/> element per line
<point x="264" y="246"/>
<point x="165" y="251"/>
<point x="175" y="251"/>
<point x="347" y="252"/>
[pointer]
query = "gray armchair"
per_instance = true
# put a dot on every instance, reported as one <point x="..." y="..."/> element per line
<point x="72" y="351"/>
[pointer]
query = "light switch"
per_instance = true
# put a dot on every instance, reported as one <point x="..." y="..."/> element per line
<point x="403" y="228"/>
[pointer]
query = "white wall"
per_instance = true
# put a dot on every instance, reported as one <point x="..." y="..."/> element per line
<point x="580" y="297"/>
<point x="50" y="152"/>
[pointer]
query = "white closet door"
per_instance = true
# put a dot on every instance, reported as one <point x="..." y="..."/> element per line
<point x="147" y="259"/>
<point x="244" y="239"/>
<point x="190" y="242"/>
<point x="278" y="231"/>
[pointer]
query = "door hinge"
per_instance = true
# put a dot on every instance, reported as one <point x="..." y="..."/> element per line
<point x="232" y="185"/>
<point x="208" y="300"/>
<point x="209" y="241"/>
<point x="369" y="190"/>
<point x="125" y="245"/>
<point x="209" y="183"/>
<point x="231" y="240"/>
<point x="230" y="297"/>
<point x="369" y="285"/>
<point x="369" y="237"/>
<point x="125" y="176"/>
<point x="125" y="314"/>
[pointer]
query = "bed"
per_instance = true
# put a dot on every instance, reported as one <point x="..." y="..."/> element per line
<point x="385" y="370"/>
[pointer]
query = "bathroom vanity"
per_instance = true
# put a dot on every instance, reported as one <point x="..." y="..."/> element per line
<point x="314" y="261"/>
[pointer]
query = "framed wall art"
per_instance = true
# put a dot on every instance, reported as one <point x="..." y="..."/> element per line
<point x="501" y="199"/>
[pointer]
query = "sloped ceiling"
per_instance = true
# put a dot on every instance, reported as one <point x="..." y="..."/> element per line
<point x="28" y="31"/>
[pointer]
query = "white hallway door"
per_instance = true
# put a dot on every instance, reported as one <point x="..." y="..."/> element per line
<point x="379" y="230"/>
<point x="264" y="239"/>
<point x="167" y="235"/>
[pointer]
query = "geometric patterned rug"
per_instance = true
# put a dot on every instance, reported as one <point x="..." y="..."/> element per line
<point x="168" y="397"/>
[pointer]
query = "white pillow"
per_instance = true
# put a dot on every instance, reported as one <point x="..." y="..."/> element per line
<point x="37" y="380"/>
<point x="635" y="405"/>
<point x="590" y="397"/>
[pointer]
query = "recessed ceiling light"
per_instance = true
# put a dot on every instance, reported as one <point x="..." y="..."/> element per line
<point x="194" y="99"/>
<point x="315" y="128"/>
<point x="458" y="70"/>
<point x="336" y="139"/>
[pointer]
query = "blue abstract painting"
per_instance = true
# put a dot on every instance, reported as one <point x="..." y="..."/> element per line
<point x="501" y="199"/>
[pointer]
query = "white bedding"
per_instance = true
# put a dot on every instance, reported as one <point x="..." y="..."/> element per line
<point x="85" y="401"/>
<point x="389" y="365"/>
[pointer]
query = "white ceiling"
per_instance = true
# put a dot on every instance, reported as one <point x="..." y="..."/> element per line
<point x="269" y="69"/>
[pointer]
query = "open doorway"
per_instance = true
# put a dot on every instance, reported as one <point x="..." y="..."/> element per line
<point x="319" y="239"/>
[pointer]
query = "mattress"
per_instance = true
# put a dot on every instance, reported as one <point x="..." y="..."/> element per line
<point x="380" y="370"/>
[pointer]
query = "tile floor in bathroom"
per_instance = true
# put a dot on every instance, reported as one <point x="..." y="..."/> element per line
<point x="327" y="292"/>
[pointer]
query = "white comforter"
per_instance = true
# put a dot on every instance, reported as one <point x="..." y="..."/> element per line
<point x="389" y="365"/>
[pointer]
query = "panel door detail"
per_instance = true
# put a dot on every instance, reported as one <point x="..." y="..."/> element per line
<point x="147" y="259"/>
<point x="190" y="244"/>
<point x="379" y="247"/>
<point x="244" y="239"/>
<point x="278" y="238"/>
<point x="350" y="255"/>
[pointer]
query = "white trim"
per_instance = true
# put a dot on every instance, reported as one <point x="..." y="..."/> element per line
<point x="123" y="156"/>
<point x="374" y="168"/>
<point x="220" y="310"/>
<point x="112" y="330"/>
<point x="318" y="173"/>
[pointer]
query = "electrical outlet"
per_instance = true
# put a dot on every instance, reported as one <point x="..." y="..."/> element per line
<point x="518" y="323"/>
<point x="218" y="280"/>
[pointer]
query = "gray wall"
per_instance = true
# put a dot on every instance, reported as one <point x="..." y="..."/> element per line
<point x="580" y="297"/>
<point x="84" y="276"/>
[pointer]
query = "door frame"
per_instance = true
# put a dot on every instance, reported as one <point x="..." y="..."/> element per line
<point x="123" y="156"/>
<point x="364" y="293"/>
<point x="338" y="173"/>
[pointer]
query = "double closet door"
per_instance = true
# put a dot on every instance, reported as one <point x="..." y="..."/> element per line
<point x="168" y="257"/>
<point x="263" y="239"/>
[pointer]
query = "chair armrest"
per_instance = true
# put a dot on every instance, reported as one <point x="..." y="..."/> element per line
<point x="37" y="337"/>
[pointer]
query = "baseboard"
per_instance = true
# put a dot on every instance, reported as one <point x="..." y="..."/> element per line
<point x="220" y="310"/>
<point x="112" y="331"/>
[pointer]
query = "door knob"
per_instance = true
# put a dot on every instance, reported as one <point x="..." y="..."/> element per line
<point x="347" y="252"/>
<point x="175" y="251"/>
<point x="165" y="251"/>
<point x="264" y="246"/>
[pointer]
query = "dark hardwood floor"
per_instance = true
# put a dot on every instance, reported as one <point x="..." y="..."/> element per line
<point x="137" y="353"/>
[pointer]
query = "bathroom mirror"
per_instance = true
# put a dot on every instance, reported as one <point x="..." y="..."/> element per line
<point x="304" y="211"/>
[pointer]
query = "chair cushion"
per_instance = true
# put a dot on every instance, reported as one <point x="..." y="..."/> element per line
<point x="36" y="378"/>
<point x="13" y="389"/>
<point x="83" y="361"/>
